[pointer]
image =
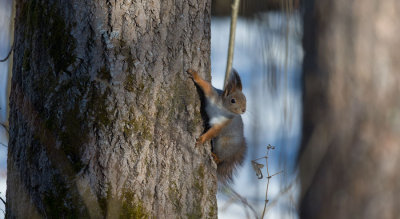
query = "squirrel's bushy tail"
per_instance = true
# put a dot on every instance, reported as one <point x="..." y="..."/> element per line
<point x="227" y="168"/>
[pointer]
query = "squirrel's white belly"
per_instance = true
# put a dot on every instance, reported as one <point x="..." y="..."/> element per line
<point x="217" y="120"/>
<point x="215" y="114"/>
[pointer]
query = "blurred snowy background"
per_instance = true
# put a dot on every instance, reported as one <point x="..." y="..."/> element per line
<point x="5" y="36"/>
<point x="268" y="57"/>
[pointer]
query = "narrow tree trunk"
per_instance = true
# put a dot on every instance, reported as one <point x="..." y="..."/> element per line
<point x="350" y="150"/>
<point x="103" y="117"/>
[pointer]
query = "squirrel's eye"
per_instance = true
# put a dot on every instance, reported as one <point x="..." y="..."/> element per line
<point x="233" y="101"/>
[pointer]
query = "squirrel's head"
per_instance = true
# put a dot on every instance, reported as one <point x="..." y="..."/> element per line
<point x="233" y="98"/>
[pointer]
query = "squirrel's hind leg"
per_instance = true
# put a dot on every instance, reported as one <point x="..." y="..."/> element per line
<point x="215" y="158"/>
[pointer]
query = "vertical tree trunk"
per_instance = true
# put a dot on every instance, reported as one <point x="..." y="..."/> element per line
<point x="103" y="117"/>
<point x="350" y="150"/>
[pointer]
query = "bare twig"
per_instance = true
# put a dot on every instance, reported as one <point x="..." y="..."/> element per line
<point x="268" y="178"/>
<point x="276" y="173"/>
<point x="235" y="11"/>
<point x="8" y="55"/>
<point x="236" y="196"/>
<point x="282" y="192"/>
<point x="4" y="202"/>
<point x="266" y="199"/>
<point x="227" y="204"/>
<point x="5" y="127"/>
<point x="269" y="147"/>
<point x="260" y="158"/>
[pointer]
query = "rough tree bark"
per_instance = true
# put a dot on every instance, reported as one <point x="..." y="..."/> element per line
<point x="351" y="133"/>
<point x="103" y="117"/>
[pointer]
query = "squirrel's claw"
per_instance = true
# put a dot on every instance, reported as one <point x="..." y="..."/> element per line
<point x="193" y="74"/>
<point x="190" y="71"/>
<point x="197" y="142"/>
<point x="200" y="141"/>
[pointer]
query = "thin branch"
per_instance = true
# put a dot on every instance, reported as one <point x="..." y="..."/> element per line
<point x="261" y="158"/>
<point x="277" y="173"/>
<point x="282" y="192"/>
<point x="235" y="11"/>
<point x="227" y="204"/>
<point x="266" y="199"/>
<point x="8" y="133"/>
<point x="5" y="127"/>
<point x="2" y="200"/>
<point x="266" y="191"/>
<point x="269" y="147"/>
<point x="8" y="55"/>
<point x="242" y="200"/>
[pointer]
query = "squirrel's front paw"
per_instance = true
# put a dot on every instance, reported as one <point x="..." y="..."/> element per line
<point x="200" y="140"/>
<point x="190" y="71"/>
<point x="193" y="74"/>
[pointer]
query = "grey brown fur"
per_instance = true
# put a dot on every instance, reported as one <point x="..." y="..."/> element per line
<point x="231" y="152"/>
<point x="224" y="109"/>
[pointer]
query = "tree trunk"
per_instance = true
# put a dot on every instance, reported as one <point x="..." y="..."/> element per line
<point x="103" y="117"/>
<point x="351" y="132"/>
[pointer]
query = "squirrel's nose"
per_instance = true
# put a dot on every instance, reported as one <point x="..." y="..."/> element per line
<point x="243" y="110"/>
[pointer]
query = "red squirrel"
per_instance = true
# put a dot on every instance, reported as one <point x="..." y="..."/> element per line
<point x="224" y="109"/>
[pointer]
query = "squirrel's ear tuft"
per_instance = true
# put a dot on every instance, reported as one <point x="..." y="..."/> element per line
<point x="234" y="83"/>
<point x="236" y="79"/>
